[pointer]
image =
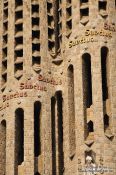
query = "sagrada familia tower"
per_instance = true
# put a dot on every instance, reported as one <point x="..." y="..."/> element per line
<point x="57" y="87"/>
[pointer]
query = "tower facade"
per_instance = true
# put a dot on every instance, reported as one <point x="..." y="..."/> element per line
<point x="57" y="86"/>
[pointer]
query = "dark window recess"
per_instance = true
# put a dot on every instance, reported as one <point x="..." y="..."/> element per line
<point x="36" y="60"/>
<point x="35" y="34"/>
<point x="18" y="27"/>
<point x="3" y="146"/>
<point x="69" y="12"/>
<point x="37" y="131"/>
<point x="35" y="47"/>
<point x="53" y="131"/>
<point x="90" y="126"/>
<point x="104" y="55"/>
<point x="5" y="26"/>
<point x="19" y="40"/>
<point x="35" y="21"/>
<point x="19" y="53"/>
<point x="5" y="14"/>
<point x="84" y="12"/>
<point x="35" y="8"/>
<point x="19" y="66"/>
<point x="50" y="33"/>
<point x="51" y="45"/>
<point x="37" y="173"/>
<point x="4" y="52"/>
<point x="4" y="77"/>
<point x="5" y="4"/>
<point x="4" y="64"/>
<point x="60" y="131"/>
<point x="18" y="15"/>
<point x="102" y="5"/>
<point x="87" y="80"/>
<point x="18" y="3"/>
<point x="19" y="135"/>
<point x="84" y="1"/>
<point x="49" y="7"/>
<point x="69" y="24"/>
<point x="106" y="122"/>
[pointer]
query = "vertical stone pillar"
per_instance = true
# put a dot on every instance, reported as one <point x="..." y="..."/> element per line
<point x="28" y="139"/>
<point x="11" y="44"/>
<point x="97" y="101"/>
<point x="79" y="111"/>
<point x="10" y="144"/>
<point x="46" y="122"/>
<point x="27" y="37"/>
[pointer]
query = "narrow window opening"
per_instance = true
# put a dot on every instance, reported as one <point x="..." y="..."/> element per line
<point x="5" y="14"/>
<point x="18" y="27"/>
<point x="35" y="21"/>
<point x="60" y="132"/>
<point x="35" y="8"/>
<point x="84" y="1"/>
<point x="5" y="4"/>
<point x="18" y="15"/>
<point x="5" y="52"/>
<point x="106" y="122"/>
<point x="37" y="130"/>
<point x="102" y="5"/>
<point x="53" y="131"/>
<point x="19" y="136"/>
<point x="37" y="173"/>
<point x="90" y="126"/>
<point x="19" y="53"/>
<point x="3" y="147"/>
<point x="84" y="12"/>
<point x="87" y="80"/>
<point x="35" y="34"/>
<point x="18" y="3"/>
<point x="19" y="40"/>
<point x="50" y="33"/>
<point x="104" y="65"/>
<point x="35" y="47"/>
<point x="5" y="26"/>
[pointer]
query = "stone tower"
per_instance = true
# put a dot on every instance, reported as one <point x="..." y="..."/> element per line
<point x="57" y="86"/>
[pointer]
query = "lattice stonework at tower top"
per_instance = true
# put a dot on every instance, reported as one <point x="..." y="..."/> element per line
<point x="57" y="87"/>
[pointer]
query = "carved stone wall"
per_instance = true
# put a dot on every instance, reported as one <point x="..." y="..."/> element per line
<point x="47" y="48"/>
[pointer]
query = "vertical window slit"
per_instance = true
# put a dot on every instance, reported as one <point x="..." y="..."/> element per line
<point x="37" y="133"/>
<point x="104" y="67"/>
<point x="3" y="147"/>
<point x="60" y="132"/>
<point x="19" y="138"/>
<point x="53" y="127"/>
<point x="87" y="80"/>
